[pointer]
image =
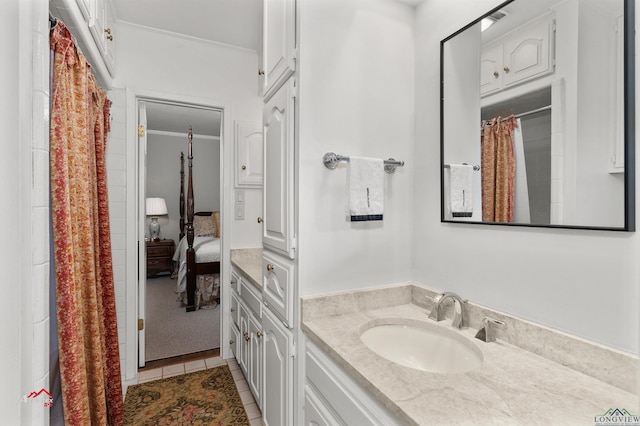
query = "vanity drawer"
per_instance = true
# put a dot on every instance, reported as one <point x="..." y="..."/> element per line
<point x="251" y="298"/>
<point x="277" y="287"/>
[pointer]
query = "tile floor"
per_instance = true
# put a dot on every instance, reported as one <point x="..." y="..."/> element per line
<point x="250" y="406"/>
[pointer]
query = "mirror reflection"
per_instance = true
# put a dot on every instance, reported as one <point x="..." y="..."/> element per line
<point x="533" y="108"/>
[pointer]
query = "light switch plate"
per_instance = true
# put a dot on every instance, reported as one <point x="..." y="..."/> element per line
<point x="239" y="211"/>
<point x="239" y="196"/>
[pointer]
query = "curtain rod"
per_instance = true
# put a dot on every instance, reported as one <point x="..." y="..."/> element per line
<point x="524" y="114"/>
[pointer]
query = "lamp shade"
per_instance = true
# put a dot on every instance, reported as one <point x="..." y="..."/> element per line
<point x="156" y="207"/>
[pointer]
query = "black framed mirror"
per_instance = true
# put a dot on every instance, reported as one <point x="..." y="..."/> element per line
<point x="537" y="116"/>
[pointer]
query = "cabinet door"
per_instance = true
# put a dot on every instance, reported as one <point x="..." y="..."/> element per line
<point x="279" y="43"/>
<point x="527" y="53"/>
<point x="248" y="155"/>
<point x="277" y="408"/>
<point x="243" y="361"/>
<point x="254" y="378"/>
<point x="100" y="26"/>
<point x="235" y="341"/>
<point x="278" y="137"/>
<point x="490" y="69"/>
<point x="86" y="8"/>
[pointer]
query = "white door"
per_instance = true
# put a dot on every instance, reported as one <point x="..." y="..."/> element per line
<point x="142" y="256"/>
<point x="279" y="43"/>
<point x="277" y="397"/>
<point x="278" y="135"/>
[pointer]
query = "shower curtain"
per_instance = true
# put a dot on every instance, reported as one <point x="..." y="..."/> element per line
<point x="498" y="169"/>
<point x="85" y="298"/>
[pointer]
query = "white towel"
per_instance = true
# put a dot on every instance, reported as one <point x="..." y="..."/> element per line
<point x="365" y="186"/>
<point x="461" y="188"/>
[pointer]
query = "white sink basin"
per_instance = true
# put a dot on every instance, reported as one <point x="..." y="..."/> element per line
<point x="430" y="349"/>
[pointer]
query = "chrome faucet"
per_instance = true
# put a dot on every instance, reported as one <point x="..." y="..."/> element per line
<point x="437" y="314"/>
<point x="488" y="333"/>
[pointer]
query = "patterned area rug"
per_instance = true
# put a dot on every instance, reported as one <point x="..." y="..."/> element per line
<point x="207" y="397"/>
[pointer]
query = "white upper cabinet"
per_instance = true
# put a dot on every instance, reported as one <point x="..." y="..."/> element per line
<point x="279" y="43"/>
<point x="278" y="186"/>
<point x="101" y="27"/>
<point x="248" y="155"/>
<point x="521" y="55"/>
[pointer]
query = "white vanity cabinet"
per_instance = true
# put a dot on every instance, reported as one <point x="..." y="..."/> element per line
<point x="246" y="332"/>
<point x="248" y="153"/>
<point x="521" y="55"/>
<point x="334" y="398"/>
<point x="279" y="43"/>
<point x="277" y="402"/>
<point x="278" y="185"/>
<point x="101" y="27"/>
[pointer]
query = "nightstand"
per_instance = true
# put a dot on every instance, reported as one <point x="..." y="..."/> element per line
<point x="160" y="256"/>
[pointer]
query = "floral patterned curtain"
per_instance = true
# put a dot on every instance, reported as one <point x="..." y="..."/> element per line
<point x="85" y="298"/>
<point x="498" y="169"/>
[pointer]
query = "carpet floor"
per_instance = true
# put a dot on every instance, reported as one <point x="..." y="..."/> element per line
<point x="170" y="330"/>
<point x="207" y="397"/>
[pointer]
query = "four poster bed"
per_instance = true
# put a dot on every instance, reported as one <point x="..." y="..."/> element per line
<point x="198" y="253"/>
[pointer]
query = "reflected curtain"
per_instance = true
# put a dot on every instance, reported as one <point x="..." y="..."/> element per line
<point x="498" y="169"/>
<point x="85" y="297"/>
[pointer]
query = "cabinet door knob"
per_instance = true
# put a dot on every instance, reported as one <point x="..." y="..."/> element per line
<point x="269" y="267"/>
<point x="259" y="220"/>
<point x="259" y="333"/>
<point x="232" y="309"/>
<point x="247" y="338"/>
<point x="260" y="71"/>
<point x="496" y="74"/>
<point x="244" y="167"/>
<point x="245" y="334"/>
<point x="233" y="282"/>
<point x="107" y="30"/>
<point x="506" y="69"/>
<point x="231" y="342"/>
<point x="110" y="37"/>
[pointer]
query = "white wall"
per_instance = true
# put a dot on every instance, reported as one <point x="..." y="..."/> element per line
<point x="581" y="282"/>
<point x="149" y="60"/>
<point x="163" y="176"/>
<point x="167" y="66"/>
<point x="356" y="98"/>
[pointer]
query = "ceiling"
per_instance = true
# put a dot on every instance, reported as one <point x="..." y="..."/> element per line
<point x="233" y="22"/>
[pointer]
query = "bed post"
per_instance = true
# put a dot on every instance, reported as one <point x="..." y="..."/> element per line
<point x="191" y="253"/>
<point x="181" y="196"/>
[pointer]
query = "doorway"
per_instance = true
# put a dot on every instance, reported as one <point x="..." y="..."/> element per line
<point x="168" y="331"/>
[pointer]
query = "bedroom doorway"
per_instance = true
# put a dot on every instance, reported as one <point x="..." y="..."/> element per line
<point x="168" y="331"/>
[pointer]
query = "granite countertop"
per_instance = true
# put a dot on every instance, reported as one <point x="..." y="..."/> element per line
<point x="248" y="262"/>
<point x="513" y="386"/>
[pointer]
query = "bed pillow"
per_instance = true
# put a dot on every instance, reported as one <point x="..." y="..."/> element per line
<point x="203" y="226"/>
<point x="215" y="218"/>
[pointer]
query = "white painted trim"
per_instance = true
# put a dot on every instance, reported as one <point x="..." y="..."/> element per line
<point x="185" y="37"/>
<point x="226" y="213"/>
<point x="181" y="135"/>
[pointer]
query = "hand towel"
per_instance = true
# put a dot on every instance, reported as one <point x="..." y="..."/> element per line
<point x="461" y="188"/>
<point x="365" y="186"/>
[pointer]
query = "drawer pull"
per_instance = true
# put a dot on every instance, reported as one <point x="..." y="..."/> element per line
<point x="245" y="334"/>
<point x="269" y="267"/>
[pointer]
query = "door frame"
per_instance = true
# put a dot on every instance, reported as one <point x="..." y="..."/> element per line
<point x="135" y="275"/>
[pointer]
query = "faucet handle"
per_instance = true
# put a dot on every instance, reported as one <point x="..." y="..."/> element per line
<point x="487" y="332"/>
